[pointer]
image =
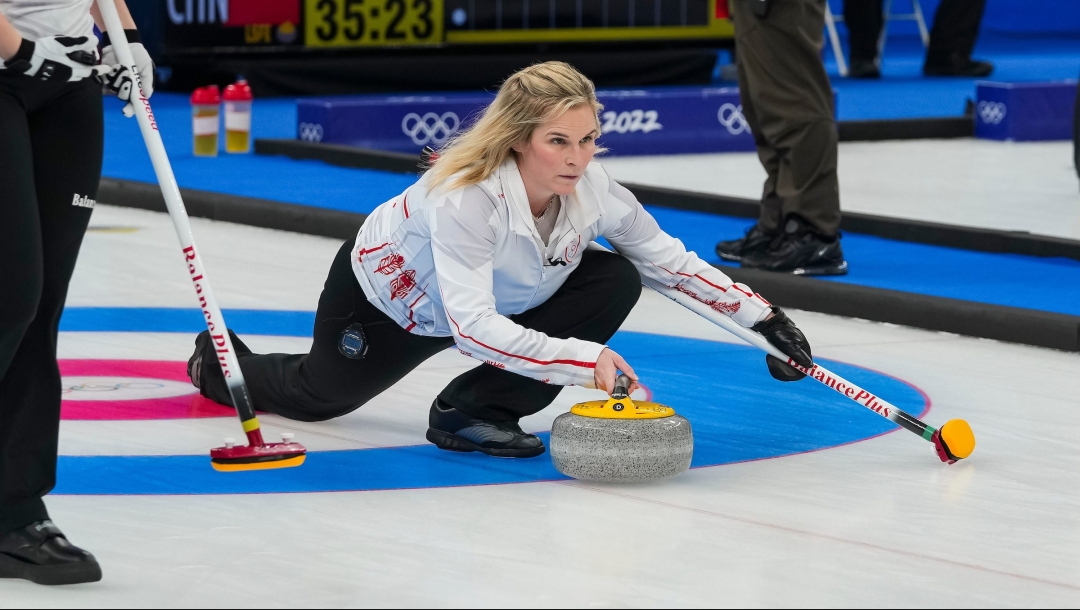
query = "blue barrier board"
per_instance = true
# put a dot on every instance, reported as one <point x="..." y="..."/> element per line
<point x="662" y="120"/>
<point x="1025" y="111"/>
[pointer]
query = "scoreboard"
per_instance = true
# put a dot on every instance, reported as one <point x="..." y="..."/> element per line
<point x="199" y="26"/>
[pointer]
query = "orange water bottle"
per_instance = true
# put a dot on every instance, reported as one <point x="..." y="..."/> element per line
<point x="205" y="113"/>
<point x="238" y="117"/>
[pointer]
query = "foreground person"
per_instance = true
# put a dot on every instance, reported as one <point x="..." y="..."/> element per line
<point x="488" y="250"/>
<point x="52" y="135"/>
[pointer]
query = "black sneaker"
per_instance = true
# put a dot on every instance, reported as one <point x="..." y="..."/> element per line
<point x="864" y="68"/>
<point x="801" y="252"/>
<point x="453" y="430"/>
<point x="756" y="240"/>
<point x="958" y="65"/>
<point x="42" y="554"/>
<point x="203" y="368"/>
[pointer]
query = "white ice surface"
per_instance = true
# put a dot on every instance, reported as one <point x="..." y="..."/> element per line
<point x="876" y="523"/>
<point x="1010" y="186"/>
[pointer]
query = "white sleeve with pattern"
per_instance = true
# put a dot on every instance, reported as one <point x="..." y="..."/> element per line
<point x="666" y="265"/>
<point x="463" y="235"/>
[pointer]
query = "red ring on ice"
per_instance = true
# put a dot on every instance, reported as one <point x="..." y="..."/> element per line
<point x="189" y="406"/>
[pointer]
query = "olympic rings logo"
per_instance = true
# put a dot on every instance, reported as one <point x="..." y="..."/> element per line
<point x="104" y="387"/>
<point x="310" y="132"/>
<point x="992" y="113"/>
<point x="731" y="117"/>
<point x="430" y="128"/>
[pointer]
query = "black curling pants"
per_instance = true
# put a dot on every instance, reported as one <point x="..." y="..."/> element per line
<point x="954" y="31"/>
<point x="51" y="138"/>
<point x="324" y="384"/>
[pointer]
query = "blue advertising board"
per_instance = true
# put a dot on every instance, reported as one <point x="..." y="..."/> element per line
<point x="1025" y="111"/>
<point x="661" y="120"/>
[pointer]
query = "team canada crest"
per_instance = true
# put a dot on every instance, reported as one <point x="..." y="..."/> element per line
<point x="389" y="264"/>
<point x="403" y="284"/>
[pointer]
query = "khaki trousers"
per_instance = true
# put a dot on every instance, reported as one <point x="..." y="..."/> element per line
<point x="788" y="102"/>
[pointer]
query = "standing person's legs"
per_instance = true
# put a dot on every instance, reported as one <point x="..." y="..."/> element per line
<point x="324" y="383"/>
<point x="66" y="137"/>
<point x="591" y="305"/>
<point x="20" y="247"/>
<point x="66" y="140"/>
<point x="783" y="77"/>
<point x="760" y="236"/>
<point x="952" y="39"/>
<point x="864" y="20"/>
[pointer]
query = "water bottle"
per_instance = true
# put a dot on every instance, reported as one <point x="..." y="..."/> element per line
<point x="205" y="110"/>
<point x="238" y="117"/>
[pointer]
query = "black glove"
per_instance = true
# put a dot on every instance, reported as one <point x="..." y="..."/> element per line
<point x="782" y="334"/>
<point x="57" y="58"/>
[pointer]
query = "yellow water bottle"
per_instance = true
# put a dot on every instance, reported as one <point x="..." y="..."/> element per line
<point x="238" y="117"/>
<point x="205" y="113"/>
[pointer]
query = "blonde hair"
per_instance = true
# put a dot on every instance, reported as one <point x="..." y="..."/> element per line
<point x="525" y="100"/>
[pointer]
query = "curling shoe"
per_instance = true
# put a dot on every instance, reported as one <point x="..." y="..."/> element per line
<point x="205" y="372"/>
<point x="42" y="554"/>
<point x="801" y="252"/>
<point x="756" y="241"/>
<point x="957" y="65"/>
<point x="453" y="430"/>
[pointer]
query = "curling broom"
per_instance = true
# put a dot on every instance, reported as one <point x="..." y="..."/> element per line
<point x="258" y="454"/>
<point x="952" y="442"/>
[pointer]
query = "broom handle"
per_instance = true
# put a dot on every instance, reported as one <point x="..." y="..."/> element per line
<point x="215" y="323"/>
<point x="819" y="373"/>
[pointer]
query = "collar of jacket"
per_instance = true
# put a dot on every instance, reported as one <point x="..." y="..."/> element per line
<point x="582" y="207"/>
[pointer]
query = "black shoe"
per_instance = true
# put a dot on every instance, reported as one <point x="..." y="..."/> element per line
<point x="756" y="240"/>
<point x="801" y="252"/>
<point x="453" y="430"/>
<point x="864" y="68"/>
<point x="40" y="553"/>
<point x="958" y="65"/>
<point x="203" y="368"/>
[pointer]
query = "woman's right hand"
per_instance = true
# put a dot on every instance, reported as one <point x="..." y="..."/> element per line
<point x="607" y="370"/>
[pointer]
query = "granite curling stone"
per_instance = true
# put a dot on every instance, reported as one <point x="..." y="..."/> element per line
<point x="620" y="441"/>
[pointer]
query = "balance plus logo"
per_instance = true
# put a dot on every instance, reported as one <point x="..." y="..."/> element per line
<point x="83" y="202"/>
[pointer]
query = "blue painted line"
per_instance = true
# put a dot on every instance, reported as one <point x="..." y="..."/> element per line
<point x="175" y="320"/>
<point x="738" y="413"/>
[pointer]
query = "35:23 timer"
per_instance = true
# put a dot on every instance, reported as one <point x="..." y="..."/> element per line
<point x="352" y="23"/>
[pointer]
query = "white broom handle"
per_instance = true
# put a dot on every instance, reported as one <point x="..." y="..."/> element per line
<point x="148" y="126"/>
<point x="819" y="373"/>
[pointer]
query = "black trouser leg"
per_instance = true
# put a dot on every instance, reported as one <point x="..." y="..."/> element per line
<point x="787" y="100"/>
<point x="52" y="152"/>
<point x="955" y="30"/>
<point x="864" y="20"/>
<point x="325" y="384"/>
<point x="591" y="305"/>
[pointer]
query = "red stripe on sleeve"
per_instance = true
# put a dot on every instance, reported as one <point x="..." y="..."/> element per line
<point x="588" y="365"/>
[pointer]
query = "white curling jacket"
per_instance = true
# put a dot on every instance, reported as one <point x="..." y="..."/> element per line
<point x="458" y="262"/>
